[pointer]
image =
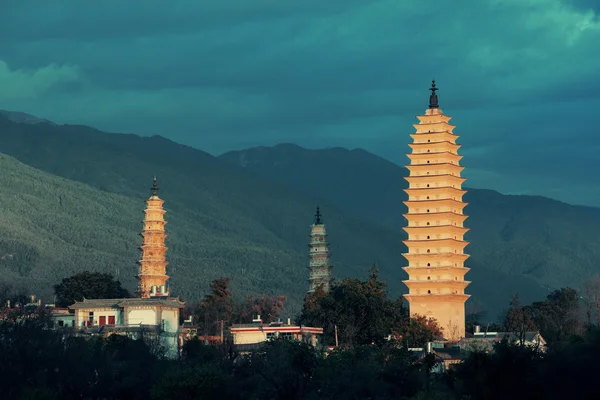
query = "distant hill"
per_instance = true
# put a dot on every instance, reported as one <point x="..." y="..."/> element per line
<point x="222" y="219"/>
<point x="518" y="243"/>
<point x="21" y="117"/>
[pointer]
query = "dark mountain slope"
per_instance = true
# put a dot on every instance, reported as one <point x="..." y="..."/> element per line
<point x="522" y="239"/>
<point x="222" y="220"/>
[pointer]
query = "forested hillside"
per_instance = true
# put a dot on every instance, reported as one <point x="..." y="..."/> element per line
<point x="222" y="220"/>
<point x="515" y="240"/>
<point x="250" y="222"/>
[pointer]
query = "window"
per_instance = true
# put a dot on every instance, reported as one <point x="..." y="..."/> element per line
<point x="427" y="161"/>
<point x="428" y="250"/>
<point x="427" y="237"/>
<point x="428" y="223"/>
<point x="427" y="210"/>
<point x="428" y="278"/>
<point x="427" y="197"/>
<point x="270" y="335"/>
<point x="429" y="292"/>
<point x="429" y="264"/>
<point x="428" y="185"/>
<point x="286" y="335"/>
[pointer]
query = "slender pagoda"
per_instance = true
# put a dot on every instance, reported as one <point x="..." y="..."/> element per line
<point x="319" y="265"/>
<point x="436" y="258"/>
<point x="153" y="265"/>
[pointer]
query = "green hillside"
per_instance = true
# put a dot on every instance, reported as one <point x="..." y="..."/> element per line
<point x="251" y="223"/>
<point x="222" y="220"/>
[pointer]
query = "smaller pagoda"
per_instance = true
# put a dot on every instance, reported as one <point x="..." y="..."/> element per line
<point x="319" y="265"/>
<point x="153" y="264"/>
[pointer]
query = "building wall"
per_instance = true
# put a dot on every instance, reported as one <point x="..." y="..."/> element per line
<point x="171" y="319"/>
<point x="136" y="316"/>
<point x="82" y="315"/>
<point x="262" y="335"/>
<point x="450" y="315"/>
<point x="66" y="319"/>
<point x="249" y="337"/>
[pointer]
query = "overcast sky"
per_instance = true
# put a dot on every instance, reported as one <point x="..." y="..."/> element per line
<point x="520" y="77"/>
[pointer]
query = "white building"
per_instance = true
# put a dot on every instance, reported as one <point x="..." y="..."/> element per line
<point x="257" y="332"/>
<point x="485" y="341"/>
<point x="154" y="317"/>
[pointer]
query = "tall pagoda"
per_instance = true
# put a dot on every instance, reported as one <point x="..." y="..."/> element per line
<point x="436" y="259"/>
<point x="319" y="265"/>
<point x="153" y="265"/>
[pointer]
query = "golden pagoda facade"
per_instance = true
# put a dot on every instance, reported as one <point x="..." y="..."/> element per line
<point x="436" y="258"/>
<point x="152" y="274"/>
<point x="319" y="264"/>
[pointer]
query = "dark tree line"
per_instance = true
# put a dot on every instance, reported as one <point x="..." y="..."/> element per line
<point x="372" y="361"/>
<point x="559" y="318"/>
<point x="359" y="312"/>
<point x="89" y="285"/>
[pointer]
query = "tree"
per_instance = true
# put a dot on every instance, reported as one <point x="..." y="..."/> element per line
<point x="268" y="307"/>
<point x="216" y="306"/>
<point x="90" y="285"/>
<point x="558" y="317"/>
<point x="360" y="310"/>
<point x="416" y="331"/>
<point x="368" y="372"/>
<point x="591" y="297"/>
<point x="519" y="319"/>
<point x="281" y="369"/>
<point x="510" y="371"/>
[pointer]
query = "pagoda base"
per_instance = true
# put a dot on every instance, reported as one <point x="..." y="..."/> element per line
<point x="447" y="309"/>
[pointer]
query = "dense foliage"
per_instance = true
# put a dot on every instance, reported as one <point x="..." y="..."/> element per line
<point x="372" y="361"/>
<point x="90" y="285"/>
<point x="218" y="308"/>
<point x="358" y="312"/>
<point x="559" y="318"/>
<point x="40" y="363"/>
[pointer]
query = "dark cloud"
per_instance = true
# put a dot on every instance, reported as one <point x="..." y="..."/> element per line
<point x="519" y="76"/>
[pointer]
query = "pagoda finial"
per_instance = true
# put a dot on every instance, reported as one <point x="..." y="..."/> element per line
<point x="433" y="99"/>
<point x="154" y="187"/>
<point x="318" y="217"/>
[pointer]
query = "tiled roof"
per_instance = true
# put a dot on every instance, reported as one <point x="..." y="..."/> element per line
<point x="119" y="303"/>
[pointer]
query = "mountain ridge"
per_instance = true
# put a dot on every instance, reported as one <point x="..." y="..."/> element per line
<point x="229" y="220"/>
<point x="222" y="220"/>
<point x="543" y="231"/>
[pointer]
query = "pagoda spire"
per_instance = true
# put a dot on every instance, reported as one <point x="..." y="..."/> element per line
<point x="433" y="99"/>
<point x="319" y="265"/>
<point x="152" y="274"/>
<point x="154" y="187"/>
<point x="436" y="258"/>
